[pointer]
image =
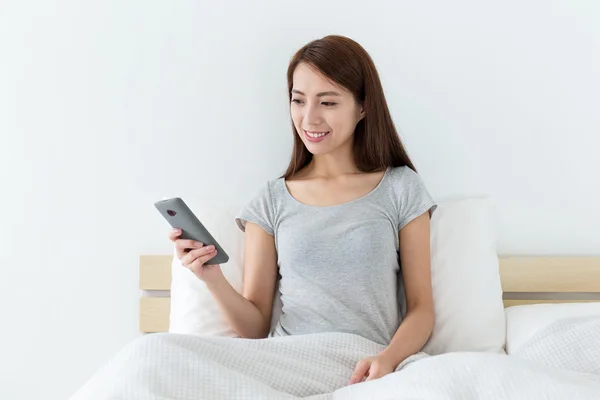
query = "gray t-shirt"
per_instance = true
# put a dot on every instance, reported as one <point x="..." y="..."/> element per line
<point x="338" y="265"/>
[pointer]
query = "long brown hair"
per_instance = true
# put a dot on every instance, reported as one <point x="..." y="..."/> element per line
<point x="345" y="62"/>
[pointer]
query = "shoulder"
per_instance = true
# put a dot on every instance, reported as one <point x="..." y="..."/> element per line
<point x="270" y="195"/>
<point x="262" y="206"/>
<point x="408" y="185"/>
<point x="274" y="189"/>
<point x="404" y="177"/>
<point x="411" y="194"/>
<point x="269" y="189"/>
<point x="398" y="172"/>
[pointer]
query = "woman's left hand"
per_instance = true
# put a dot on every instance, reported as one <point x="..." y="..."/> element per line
<point x="372" y="368"/>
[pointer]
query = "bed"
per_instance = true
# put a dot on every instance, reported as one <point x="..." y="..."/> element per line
<point x="525" y="280"/>
<point x="557" y="360"/>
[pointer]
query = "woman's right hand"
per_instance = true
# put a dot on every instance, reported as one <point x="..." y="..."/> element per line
<point x="194" y="255"/>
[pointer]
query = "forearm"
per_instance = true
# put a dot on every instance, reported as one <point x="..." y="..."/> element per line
<point x="411" y="336"/>
<point x="244" y="317"/>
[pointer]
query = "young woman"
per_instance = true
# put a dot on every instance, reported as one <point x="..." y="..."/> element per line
<point x="337" y="226"/>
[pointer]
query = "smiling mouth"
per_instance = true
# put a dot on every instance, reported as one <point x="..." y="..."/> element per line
<point x="315" y="136"/>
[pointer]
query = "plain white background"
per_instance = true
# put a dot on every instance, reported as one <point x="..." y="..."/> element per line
<point x="108" y="106"/>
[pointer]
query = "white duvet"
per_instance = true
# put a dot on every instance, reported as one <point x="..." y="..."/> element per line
<point x="561" y="362"/>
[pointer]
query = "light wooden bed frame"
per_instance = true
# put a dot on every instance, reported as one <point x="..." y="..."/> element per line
<point x="525" y="280"/>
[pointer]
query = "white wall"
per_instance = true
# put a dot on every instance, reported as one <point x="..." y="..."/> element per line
<point x="108" y="106"/>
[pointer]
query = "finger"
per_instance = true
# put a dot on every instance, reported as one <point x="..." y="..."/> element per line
<point x="174" y="234"/>
<point x="201" y="261"/>
<point x="184" y="244"/>
<point x="191" y="256"/>
<point x="204" y="259"/>
<point x="362" y="368"/>
<point x="374" y="373"/>
<point x="198" y="253"/>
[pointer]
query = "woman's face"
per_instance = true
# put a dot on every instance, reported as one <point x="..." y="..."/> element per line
<point x="324" y="114"/>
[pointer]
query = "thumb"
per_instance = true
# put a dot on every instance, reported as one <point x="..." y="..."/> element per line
<point x="361" y="370"/>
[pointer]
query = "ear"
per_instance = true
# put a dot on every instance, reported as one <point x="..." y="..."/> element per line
<point x="362" y="113"/>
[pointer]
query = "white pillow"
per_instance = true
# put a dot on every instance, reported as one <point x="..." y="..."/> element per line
<point x="467" y="291"/>
<point x="523" y="322"/>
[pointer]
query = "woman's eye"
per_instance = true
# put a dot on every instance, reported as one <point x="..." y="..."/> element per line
<point x="328" y="103"/>
<point x="297" y="101"/>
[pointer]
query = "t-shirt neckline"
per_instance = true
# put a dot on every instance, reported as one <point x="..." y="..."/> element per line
<point x="358" y="199"/>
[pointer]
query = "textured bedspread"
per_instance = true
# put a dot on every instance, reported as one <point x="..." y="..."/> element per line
<point x="561" y="362"/>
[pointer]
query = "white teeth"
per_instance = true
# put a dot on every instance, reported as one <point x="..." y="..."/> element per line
<point x="316" y="134"/>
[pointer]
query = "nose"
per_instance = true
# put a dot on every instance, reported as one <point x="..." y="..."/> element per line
<point x="312" y="116"/>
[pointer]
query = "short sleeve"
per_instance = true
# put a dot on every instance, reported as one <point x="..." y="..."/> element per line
<point x="413" y="197"/>
<point x="259" y="211"/>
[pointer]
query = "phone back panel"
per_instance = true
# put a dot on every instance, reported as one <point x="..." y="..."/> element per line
<point x="178" y="215"/>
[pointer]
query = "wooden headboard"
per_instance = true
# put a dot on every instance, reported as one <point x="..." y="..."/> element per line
<point x="525" y="280"/>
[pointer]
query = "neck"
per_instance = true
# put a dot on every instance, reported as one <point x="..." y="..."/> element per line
<point x="335" y="164"/>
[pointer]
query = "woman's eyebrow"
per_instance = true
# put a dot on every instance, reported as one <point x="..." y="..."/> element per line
<point x="321" y="94"/>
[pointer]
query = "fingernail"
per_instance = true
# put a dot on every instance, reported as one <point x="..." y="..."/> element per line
<point x="210" y="248"/>
<point x="199" y="244"/>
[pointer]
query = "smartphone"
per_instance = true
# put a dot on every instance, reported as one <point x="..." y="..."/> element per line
<point x="179" y="215"/>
